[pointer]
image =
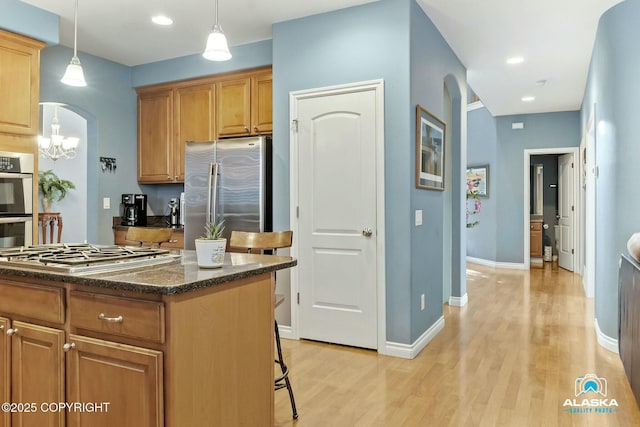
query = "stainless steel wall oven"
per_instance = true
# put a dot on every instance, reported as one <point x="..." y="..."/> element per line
<point x="16" y="199"/>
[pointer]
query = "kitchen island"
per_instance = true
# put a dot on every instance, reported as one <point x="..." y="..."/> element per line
<point x="164" y="345"/>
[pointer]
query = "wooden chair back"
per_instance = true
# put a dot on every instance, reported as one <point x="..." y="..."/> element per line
<point x="258" y="242"/>
<point x="152" y="236"/>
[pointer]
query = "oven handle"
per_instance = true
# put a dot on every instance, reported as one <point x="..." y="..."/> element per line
<point x="15" y="219"/>
<point x="15" y="175"/>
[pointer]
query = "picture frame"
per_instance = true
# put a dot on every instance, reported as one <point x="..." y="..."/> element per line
<point x="430" y="150"/>
<point x="478" y="177"/>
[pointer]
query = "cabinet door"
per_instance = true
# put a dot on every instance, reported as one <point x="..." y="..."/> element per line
<point x="261" y="104"/>
<point x="128" y="377"/>
<point x="234" y="107"/>
<point x="194" y="120"/>
<point x="536" y="243"/>
<point x="37" y="373"/>
<point x="5" y="370"/>
<point x="155" y="124"/>
<point x="19" y="83"/>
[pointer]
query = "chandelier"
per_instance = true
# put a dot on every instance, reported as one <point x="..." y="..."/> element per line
<point x="56" y="145"/>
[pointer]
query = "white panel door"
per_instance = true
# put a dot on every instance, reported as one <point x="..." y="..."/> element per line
<point x="566" y="211"/>
<point x="337" y="218"/>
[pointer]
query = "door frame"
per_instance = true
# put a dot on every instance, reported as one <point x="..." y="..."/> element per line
<point x="577" y="229"/>
<point x="294" y="97"/>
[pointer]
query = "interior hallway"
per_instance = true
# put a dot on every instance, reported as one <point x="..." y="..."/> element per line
<point x="509" y="358"/>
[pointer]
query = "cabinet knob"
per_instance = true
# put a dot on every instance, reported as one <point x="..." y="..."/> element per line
<point x="169" y="178"/>
<point x="255" y="128"/>
<point x="1" y="327"/>
<point x="246" y="129"/>
<point x="12" y="331"/>
<point x="176" y="178"/>
<point x="68" y="346"/>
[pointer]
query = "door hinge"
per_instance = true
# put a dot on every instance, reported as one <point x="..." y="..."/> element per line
<point x="571" y="165"/>
<point x="572" y="252"/>
<point x="573" y="208"/>
<point x="298" y="298"/>
<point x="297" y="211"/>
<point x="294" y="124"/>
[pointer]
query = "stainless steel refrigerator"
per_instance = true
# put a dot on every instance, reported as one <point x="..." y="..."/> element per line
<point x="228" y="180"/>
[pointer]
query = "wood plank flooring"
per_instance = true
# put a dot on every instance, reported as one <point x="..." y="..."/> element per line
<point x="509" y="358"/>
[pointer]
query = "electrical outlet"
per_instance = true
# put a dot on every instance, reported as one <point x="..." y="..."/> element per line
<point x="423" y="304"/>
<point x="106" y="203"/>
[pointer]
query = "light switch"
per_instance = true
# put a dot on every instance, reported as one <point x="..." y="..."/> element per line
<point x="106" y="203"/>
<point x="418" y="217"/>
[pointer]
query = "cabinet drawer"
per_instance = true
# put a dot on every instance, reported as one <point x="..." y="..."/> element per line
<point x="33" y="302"/>
<point x="124" y="317"/>
<point x="536" y="226"/>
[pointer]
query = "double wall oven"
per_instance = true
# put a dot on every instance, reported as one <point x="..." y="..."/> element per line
<point x="16" y="199"/>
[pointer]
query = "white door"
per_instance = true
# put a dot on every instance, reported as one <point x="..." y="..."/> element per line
<point x="336" y="146"/>
<point x="566" y="211"/>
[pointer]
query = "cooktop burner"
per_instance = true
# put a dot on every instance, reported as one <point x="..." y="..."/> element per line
<point x="82" y="258"/>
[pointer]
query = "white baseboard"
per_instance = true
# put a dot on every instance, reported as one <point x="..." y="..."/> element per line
<point x="410" y="351"/>
<point x="286" y="332"/>
<point x="606" y="341"/>
<point x="495" y="264"/>
<point x="459" y="301"/>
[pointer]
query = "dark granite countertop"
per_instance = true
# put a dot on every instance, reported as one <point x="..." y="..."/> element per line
<point x="152" y="222"/>
<point x="179" y="276"/>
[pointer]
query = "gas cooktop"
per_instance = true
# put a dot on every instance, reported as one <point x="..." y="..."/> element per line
<point x="82" y="258"/>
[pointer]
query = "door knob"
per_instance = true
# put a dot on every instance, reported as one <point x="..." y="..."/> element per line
<point x="367" y="232"/>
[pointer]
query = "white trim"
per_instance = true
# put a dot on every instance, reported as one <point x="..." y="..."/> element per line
<point x="528" y="152"/>
<point x="410" y="351"/>
<point x="606" y="341"/>
<point x="459" y="301"/>
<point x="495" y="264"/>
<point x="286" y="332"/>
<point x="475" y="106"/>
<point x="294" y="97"/>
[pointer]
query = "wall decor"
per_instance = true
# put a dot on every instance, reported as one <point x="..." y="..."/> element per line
<point x="430" y="145"/>
<point x="108" y="164"/>
<point x="478" y="180"/>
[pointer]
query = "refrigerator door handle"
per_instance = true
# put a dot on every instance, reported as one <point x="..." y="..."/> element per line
<point x="212" y="193"/>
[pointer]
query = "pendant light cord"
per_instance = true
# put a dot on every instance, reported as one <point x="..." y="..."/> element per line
<point x="75" y="31"/>
<point x="216" y="11"/>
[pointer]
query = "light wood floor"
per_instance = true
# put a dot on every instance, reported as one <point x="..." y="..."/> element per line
<point x="509" y="358"/>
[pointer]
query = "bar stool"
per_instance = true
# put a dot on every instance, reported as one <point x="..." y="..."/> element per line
<point x="254" y="242"/>
<point x="152" y="236"/>
<point x="50" y="220"/>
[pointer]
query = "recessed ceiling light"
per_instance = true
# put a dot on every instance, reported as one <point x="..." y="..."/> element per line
<point x="162" y="20"/>
<point x="515" y="60"/>
<point x="528" y="98"/>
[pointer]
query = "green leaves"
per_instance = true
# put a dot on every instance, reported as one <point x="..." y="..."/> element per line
<point x="52" y="187"/>
<point x="213" y="231"/>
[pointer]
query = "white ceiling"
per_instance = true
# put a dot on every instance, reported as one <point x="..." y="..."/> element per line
<point x="554" y="36"/>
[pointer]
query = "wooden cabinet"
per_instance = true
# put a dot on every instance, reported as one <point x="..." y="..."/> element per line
<point x="535" y="239"/>
<point x="203" y="109"/>
<point x="177" y="239"/>
<point x="134" y="387"/>
<point x="19" y="83"/>
<point x="5" y="370"/>
<point x="155" y="141"/>
<point x="629" y="321"/>
<point x="245" y="106"/>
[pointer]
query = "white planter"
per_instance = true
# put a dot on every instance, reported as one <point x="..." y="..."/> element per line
<point x="210" y="253"/>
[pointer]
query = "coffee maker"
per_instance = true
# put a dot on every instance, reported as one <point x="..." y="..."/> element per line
<point x="134" y="209"/>
<point x="174" y="213"/>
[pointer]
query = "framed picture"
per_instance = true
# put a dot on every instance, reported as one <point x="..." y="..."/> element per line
<point x="430" y="132"/>
<point x="478" y="178"/>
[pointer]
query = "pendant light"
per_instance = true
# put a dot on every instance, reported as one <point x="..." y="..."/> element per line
<point x="74" y="75"/>
<point x="217" y="48"/>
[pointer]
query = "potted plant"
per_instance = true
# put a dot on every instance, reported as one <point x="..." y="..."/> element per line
<point x="211" y="246"/>
<point x="52" y="188"/>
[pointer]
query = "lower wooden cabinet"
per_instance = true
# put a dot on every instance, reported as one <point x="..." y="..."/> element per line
<point x="127" y="378"/>
<point x="5" y="370"/>
<point x="535" y="239"/>
<point x="177" y="239"/>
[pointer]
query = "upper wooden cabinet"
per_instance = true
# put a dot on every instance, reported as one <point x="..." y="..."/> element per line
<point x="19" y="83"/>
<point x="245" y="105"/>
<point x="155" y="141"/>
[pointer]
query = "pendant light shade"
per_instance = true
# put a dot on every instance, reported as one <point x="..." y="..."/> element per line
<point x="74" y="76"/>
<point x="217" y="48"/>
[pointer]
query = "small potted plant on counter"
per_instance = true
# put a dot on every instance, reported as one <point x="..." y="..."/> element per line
<point x="211" y="246"/>
<point x="52" y="188"/>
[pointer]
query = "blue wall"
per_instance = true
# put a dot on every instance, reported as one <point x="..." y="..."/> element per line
<point x="547" y="130"/>
<point x="611" y="93"/>
<point x="433" y="62"/>
<point x="22" y="18"/>
<point x="482" y="143"/>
